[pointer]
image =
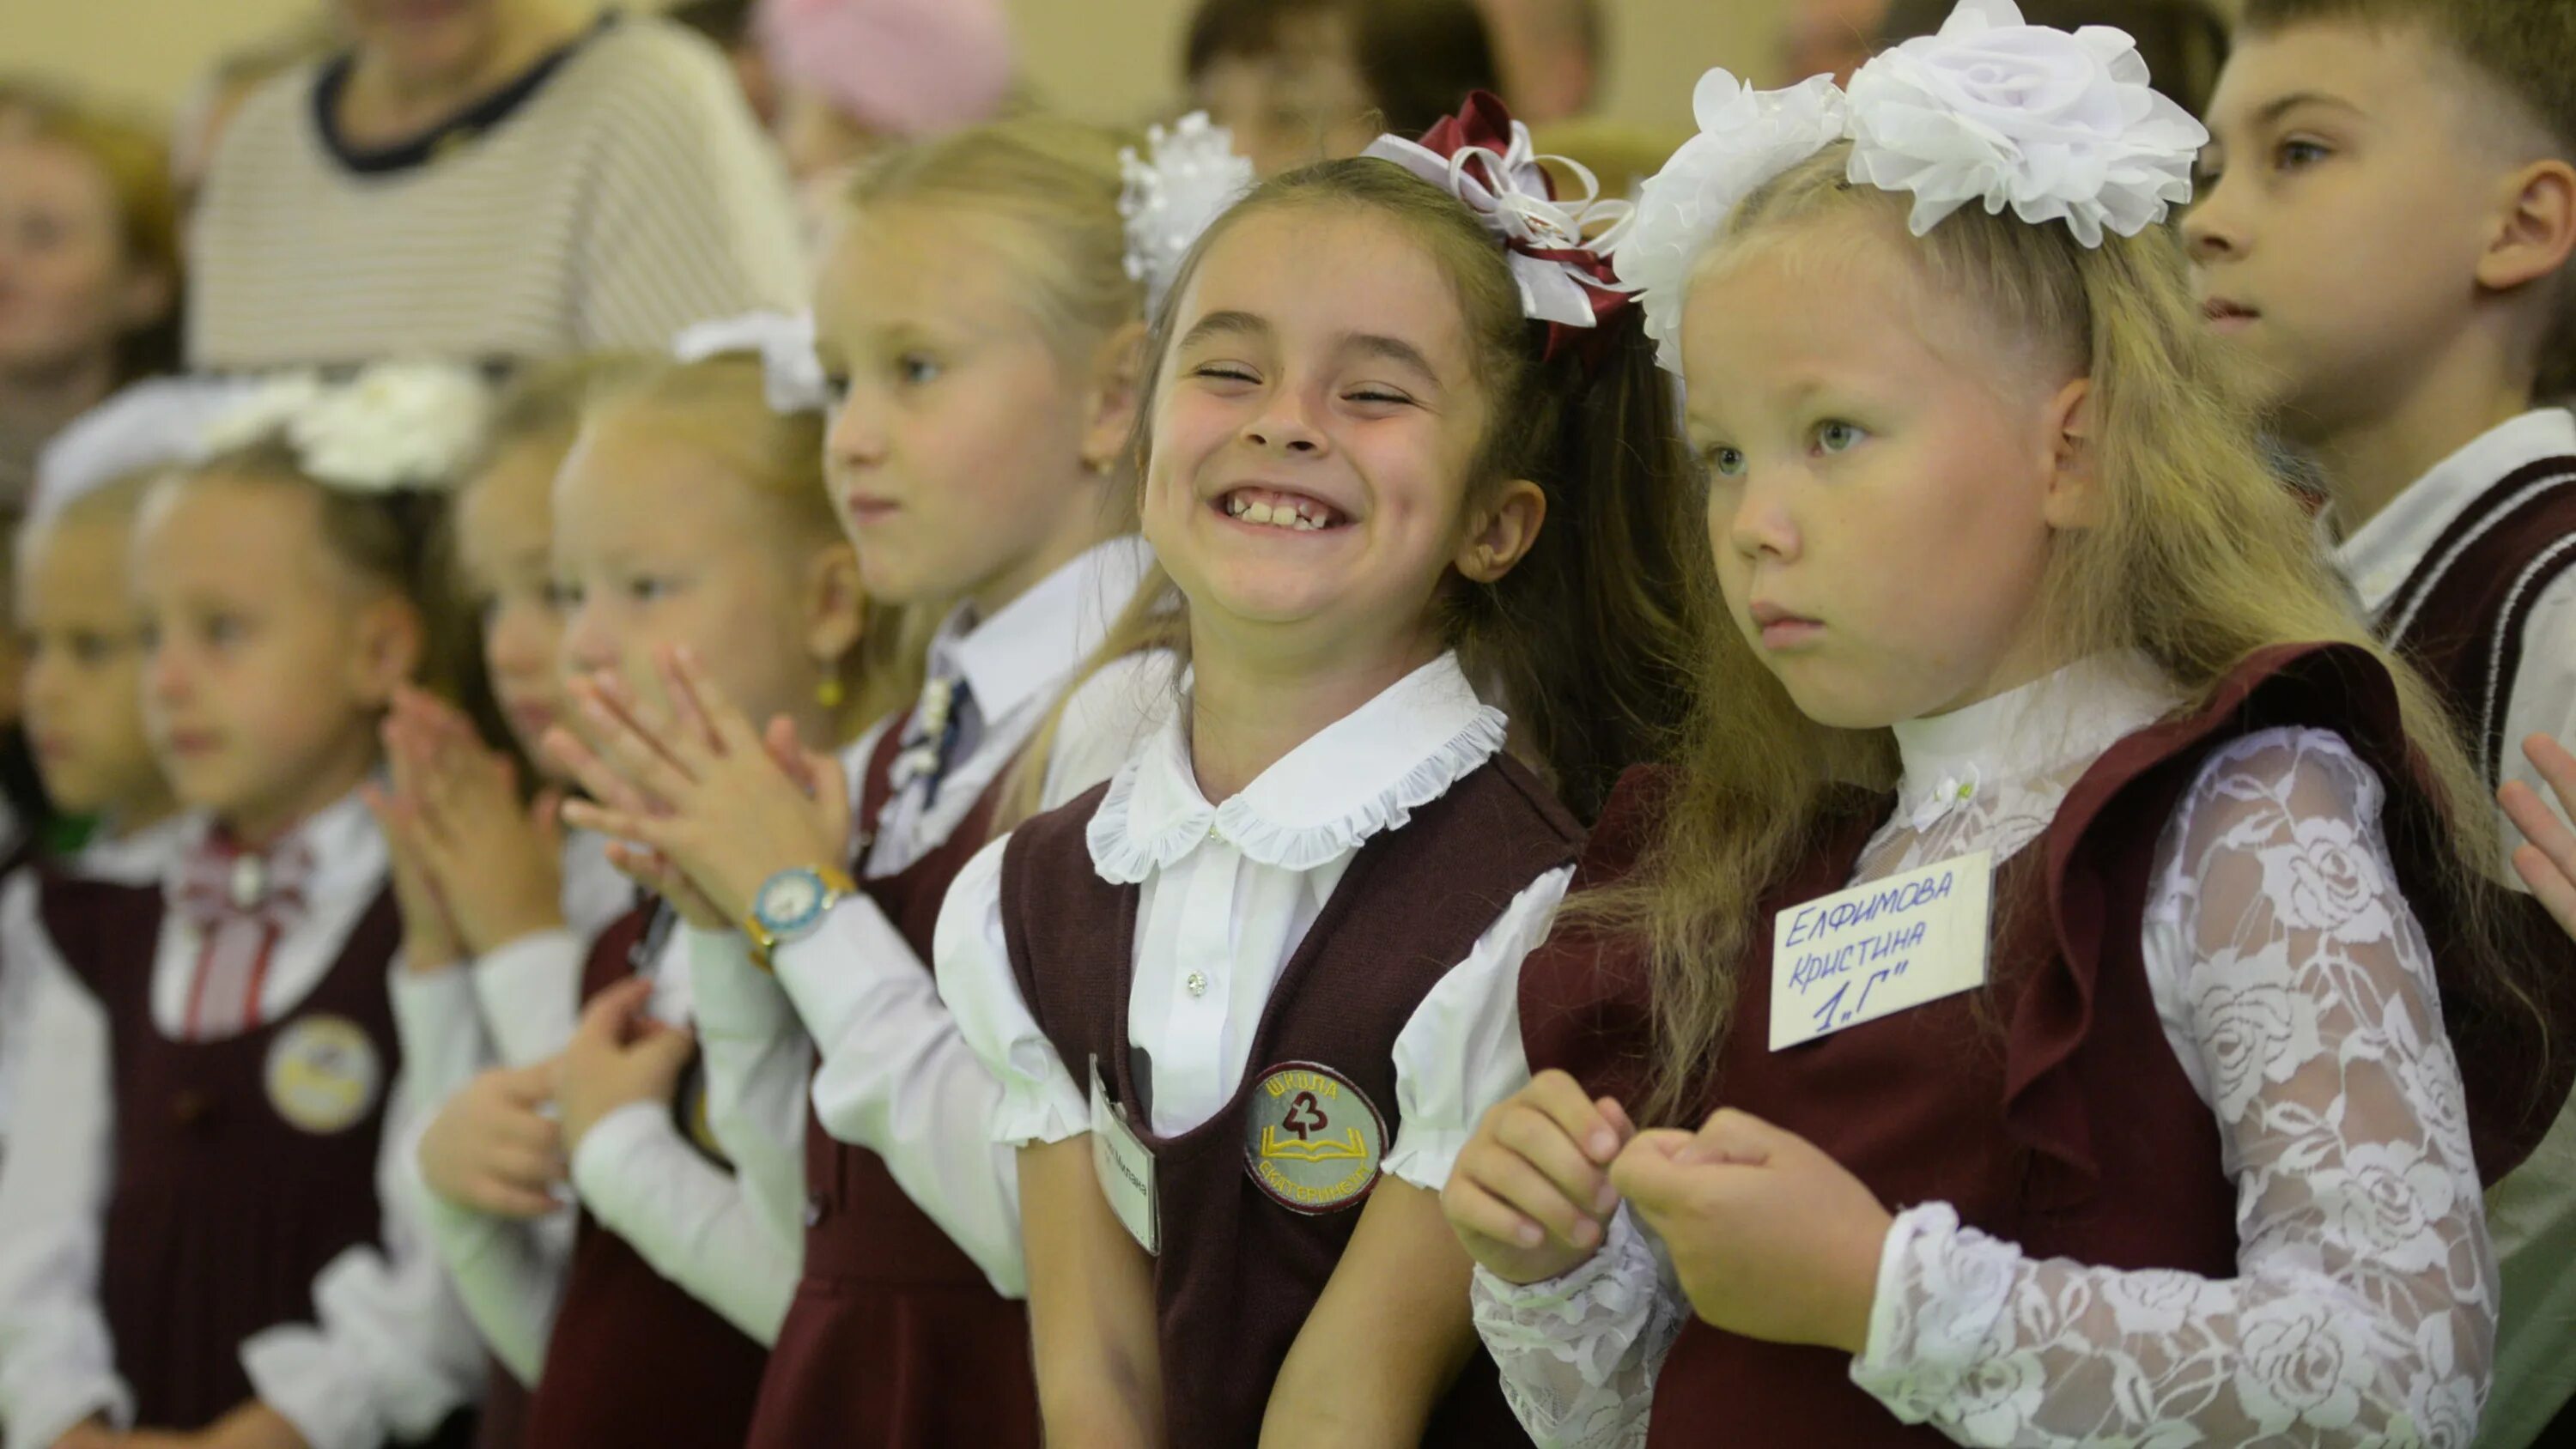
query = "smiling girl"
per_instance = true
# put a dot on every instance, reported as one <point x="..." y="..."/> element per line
<point x="1373" y="478"/>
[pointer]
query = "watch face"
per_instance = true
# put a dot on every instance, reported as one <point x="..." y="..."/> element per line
<point x="790" y="899"/>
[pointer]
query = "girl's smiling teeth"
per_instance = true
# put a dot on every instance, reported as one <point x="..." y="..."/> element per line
<point x="1293" y="511"/>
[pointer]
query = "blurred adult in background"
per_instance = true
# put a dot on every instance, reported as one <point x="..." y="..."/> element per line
<point x="490" y="180"/>
<point x="217" y="95"/>
<point x="2184" y="42"/>
<point x="1829" y="37"/>
<point x="1549" y="52"/>
<point x="727" y="26"/>
<point x="89" y="269"/>
<point x="851" y="76"/>
<point x="1302" y="80"/>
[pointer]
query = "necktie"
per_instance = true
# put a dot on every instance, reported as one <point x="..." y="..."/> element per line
<point x="241" y="902"/>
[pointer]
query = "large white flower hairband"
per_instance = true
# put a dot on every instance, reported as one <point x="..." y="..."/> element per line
<point x="791" y="374"/>
<point x="391" y="426"/>
<point x="1559" y="249"/>
<point x="1187" y="179"/>
<point x="2058" y="126"/>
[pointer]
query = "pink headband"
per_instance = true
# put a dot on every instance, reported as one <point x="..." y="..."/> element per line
<point x="908" y="68"/>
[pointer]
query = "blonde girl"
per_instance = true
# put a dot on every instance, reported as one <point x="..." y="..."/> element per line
<point x="688" y="515"/>
<point x="202" y="1238"/>
<point x="2017" y="616"/>
<point x="979" y="331"/>
<point x="82" y="644"/>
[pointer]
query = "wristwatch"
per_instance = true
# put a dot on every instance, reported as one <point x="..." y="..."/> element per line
<point x="791" y="904"/>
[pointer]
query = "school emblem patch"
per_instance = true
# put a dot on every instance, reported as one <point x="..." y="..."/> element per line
<point x="1312" y="1140"/>
<point x="323" y="1074"/>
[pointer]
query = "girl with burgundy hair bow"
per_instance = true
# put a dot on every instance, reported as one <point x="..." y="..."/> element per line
<point x="1404" y="453"/>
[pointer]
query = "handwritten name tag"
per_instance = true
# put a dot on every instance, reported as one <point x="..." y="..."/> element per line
<point x="1879" y="949"/>
<point x="1124" y="1167"/>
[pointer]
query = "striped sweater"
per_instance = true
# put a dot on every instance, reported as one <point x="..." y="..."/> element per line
<point x="614" y="194"/>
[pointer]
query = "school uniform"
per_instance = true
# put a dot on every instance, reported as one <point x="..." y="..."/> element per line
<point x="137" y="858"/>
<point x="905" y="1328"/>
<point x="650" y="1182"/>
<point x="511" y="1006"/>
<point x="2471" y="572"/>
<point x="1245" y="983"/>
<point x="210" y="1209"/>
<point x="2130" y="1160"/>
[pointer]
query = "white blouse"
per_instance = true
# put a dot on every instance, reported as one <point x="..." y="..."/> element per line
<point x="2297" y="992"/>
<point x="517" y="1005"/>
<point x="386" y="1354"/>
<point x="895" y="1077"/>
<point x="1227" y="893"/>
<point x="130" y="859"/>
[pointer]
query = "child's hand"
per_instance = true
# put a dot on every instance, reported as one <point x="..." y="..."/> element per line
<point x="641" y="864"/>
<point x="492" y="1148"/>
<point x="1531" y="1196"/>
<point x="732" y="816"/>
<point x="498" y="865"/>
<point x="617" y="1055"/>
<point x="1771" y="1238"/>
<point x="431" y="941"/>
<point x="2548" y="863"/>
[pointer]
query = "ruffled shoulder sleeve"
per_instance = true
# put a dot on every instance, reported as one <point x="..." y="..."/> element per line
<point x="1040" y="1102"/>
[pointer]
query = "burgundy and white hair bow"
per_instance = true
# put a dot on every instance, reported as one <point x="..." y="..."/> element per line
<point x="1559" y="249"/>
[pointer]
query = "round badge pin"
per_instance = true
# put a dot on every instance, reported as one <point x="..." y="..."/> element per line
<point x="323" y="1074"/>
<point x="1312" y="1139"/>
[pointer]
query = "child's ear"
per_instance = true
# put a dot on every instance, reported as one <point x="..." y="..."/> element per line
<point x="1117" y="383"/>
<point x="1500" y="535"/>
<point x="2536" y="227"/>
<point x="389" y="642"/>
<point x="2074" y="485"/>
<point x="836" y="608"/>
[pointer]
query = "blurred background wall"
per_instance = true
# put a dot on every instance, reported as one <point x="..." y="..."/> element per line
<point x="1119" y="58"/>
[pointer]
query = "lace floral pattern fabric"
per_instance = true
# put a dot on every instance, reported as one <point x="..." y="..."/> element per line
<point x="2297" y="991"/>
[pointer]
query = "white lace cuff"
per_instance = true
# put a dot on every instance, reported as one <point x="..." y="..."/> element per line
<point x="1586" y="1318"/>
<point x="1940" y="1290"/>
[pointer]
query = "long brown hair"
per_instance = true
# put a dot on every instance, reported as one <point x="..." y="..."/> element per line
<point x="1589" y="638"/>
<point x="2200" y="558"/>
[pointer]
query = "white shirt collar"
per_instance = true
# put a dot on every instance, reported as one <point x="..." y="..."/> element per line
<point x="1035" y="640"/>
<point x="1361" y="774"/>
<point x="136" y="857"/>
<point x="2043" y="728"/>
<point x="348" y="851"/>
<point x="2377" y="557"/>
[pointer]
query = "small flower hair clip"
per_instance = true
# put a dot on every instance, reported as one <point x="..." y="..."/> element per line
<point x="1170" y="200"/>
<point x="2056" y="125"/>
<point x="1559" y="250"/>
<point x="391" y="426"/>
<point x="791" y="374"/>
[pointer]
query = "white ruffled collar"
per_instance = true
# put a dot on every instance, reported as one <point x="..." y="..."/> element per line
<point x="1364" y="773"/>
<point x="2041" y="729"/>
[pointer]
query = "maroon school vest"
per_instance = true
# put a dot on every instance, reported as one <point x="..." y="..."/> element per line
<point x="895" y="1339"/>
<point x="2048" y="1107"/>
<point x="223" y="1210"/>
<point x="2460" y="616"/>
<point x="1243" y="1257"/>
<point x="634" y="1359"/>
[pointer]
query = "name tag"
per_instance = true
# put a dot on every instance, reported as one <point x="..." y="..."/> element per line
<point x="1124" y="1167"/>
<point x="1879" y="949"/>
